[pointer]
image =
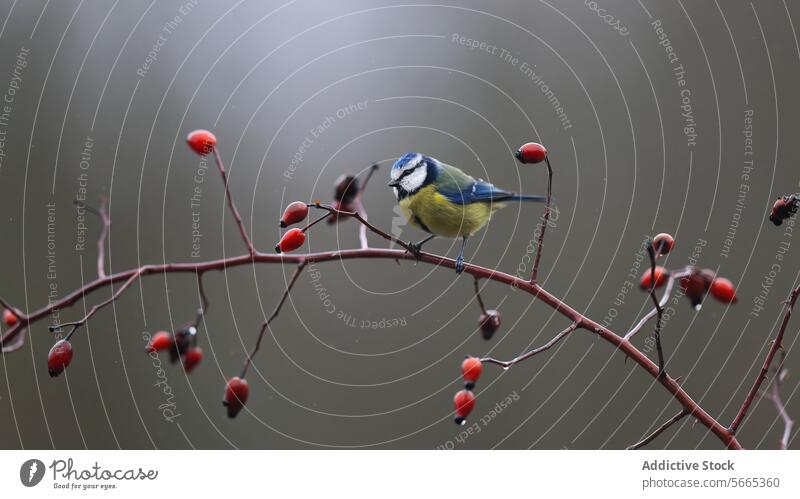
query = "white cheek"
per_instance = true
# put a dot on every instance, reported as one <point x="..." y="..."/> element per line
<point x="396" y="192"/>
<point x="414" y="181"/>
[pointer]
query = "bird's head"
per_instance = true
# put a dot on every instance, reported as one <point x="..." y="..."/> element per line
<point x="410" y="173"/>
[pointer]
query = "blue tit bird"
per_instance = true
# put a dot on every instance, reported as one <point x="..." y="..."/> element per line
<point x="444" y="201"/>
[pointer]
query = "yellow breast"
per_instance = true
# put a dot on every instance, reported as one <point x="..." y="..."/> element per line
<point x="433" y="212"/>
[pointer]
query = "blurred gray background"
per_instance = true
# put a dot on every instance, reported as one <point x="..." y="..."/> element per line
<point x="382" y="78"/>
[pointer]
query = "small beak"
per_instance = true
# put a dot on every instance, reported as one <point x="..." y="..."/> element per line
<point x="393" y="183"/>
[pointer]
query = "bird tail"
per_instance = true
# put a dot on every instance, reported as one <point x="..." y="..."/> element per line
<point x="522" y="197"/>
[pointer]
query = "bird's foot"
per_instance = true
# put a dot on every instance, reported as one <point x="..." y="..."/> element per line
<point x="415" y="249"/>
<point x="459" y="264"/>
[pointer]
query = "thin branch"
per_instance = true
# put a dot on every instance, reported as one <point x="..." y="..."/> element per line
<point x="776" y="345"/>
<point x="370" y="172"/>
<point x="545" y="221"/>
<point x="203" y="310"/>
<point x="658" y="431"/>
<point x="76" y="324"/>
<point x="673" y="276"/>
<point x="359" y="205"/>
<point x="505" y="364"/>
<point x="362" y="229"/>
<point x="365" y="223"/>
<point x="101" y="241"/>
<point x="221" y="167"/>
<point x="775" y="396"/>
<point x="659" y="309"/>
<point x="478" y="296"/>
<point x="105" y="220"/>
<point x="275" y="313"/>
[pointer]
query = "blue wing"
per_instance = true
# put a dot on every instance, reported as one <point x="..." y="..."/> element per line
<point x="460" y="188"/>
<point x="479" y="191"/>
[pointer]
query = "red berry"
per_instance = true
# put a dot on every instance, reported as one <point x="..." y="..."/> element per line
<point x="192" y="357"/>
<point x="236" y="391"/>
<point x="661" y="277"/>
<point x="490" y="322"/>
<point x="345" y="188"/>
<point x="696" y="285"/>
<point x="784" y="207"/>
<point x="531" y="153"/>
<point x="201" y="141"/>
<point x="162" y="340"/>
<point x="294" y="213"/>
<point x="464" y="402"/>
<point x="723" y="290"/>
<point x="183" y="339"/>
<point x="293" y="239"/>
<point x="663" y="243"/>
<point x="471" y="369"/>
<point x="59" y="357"/>
<point x="9" y="318"/>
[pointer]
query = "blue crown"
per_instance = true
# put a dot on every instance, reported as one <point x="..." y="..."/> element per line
<point x="407" y="158"/>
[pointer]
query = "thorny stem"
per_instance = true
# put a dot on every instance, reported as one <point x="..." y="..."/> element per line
<point x="626" y="347"/>
<point x="658" y="431"/>
<point x="659" y="308"/>
<point x="545" y="221"/>
<point x="300" y="265"/>
<point x="232" y="205"/>
<point x="775" y="396"/>
<point x="14" y="336"/>
<point x="508" y="363"/>
<point x="478" y="296"/>
<point x="776" y="345"/>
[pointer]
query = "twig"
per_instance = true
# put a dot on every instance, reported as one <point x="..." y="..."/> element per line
<point x="545" y="221"/>
<point x="658" y="431"/>
<point x="232" y="205"/>
<point x="780" y="406"/>
<point x="275" y="313"/>
<point x="673" y="276"/>
<point x="76" y="324"/>
<point x="478" y="296"/>
<point x="659" y="309"/>
<point x="774" y="396"/>
<point x="365" y="223"/>
<point x="105" y="220"/>
<point x="776" y="345"/>
<point x="505" y="364"/>
<point x="203" y="310"/>
<point x="359" y="205"/>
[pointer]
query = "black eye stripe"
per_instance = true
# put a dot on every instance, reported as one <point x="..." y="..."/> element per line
<point x="408" y="172"/>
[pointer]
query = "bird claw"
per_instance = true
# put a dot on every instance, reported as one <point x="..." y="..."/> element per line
<point x="459" y="265"/>
<point x="415" y="249"/>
